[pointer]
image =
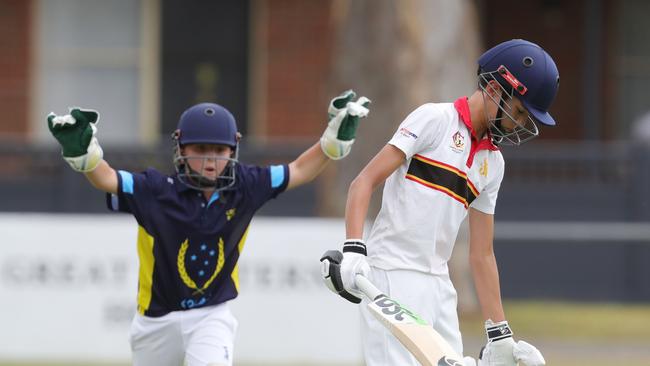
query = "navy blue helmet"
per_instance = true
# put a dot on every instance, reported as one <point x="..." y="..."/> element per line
<point x="525" y="71"/>
<point x="206" y="123"/>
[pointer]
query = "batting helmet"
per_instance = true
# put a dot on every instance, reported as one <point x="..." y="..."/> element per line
<point x="206" y="123"/>
<point x="529" y="70"/>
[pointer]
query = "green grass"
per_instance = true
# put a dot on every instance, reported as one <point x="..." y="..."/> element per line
<point x="569" y="334"/>
<point x="575" y="334"/>
<point x="585" y="321"/>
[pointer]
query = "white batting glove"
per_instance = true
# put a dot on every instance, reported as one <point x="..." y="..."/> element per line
<point x="331" y="275"/>
<point x="526" y="354"/>
<point x="498" y="353"/>
<point x="344" y="115"/>
<point x="502" y="350"/>
<point x="354" y="263"/>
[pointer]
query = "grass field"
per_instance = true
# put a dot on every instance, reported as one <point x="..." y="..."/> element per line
<point x="575" y="334"/>
<point x="569" y="334"/>
<point x="564" y="321"/>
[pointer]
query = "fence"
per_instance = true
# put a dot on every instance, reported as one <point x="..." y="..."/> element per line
<point x="572" y="218"/>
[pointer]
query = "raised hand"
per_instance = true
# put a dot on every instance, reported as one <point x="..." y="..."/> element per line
<point x="75" y="132"/>
<point x="344" y="115"/>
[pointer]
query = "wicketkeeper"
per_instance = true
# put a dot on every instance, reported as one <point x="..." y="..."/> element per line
<point x="192" y="225"/>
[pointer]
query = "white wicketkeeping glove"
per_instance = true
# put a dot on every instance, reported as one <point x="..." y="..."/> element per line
<point x="344" y="115"/>
<point x="75" y="132"/>
<point x="502" y="350"/>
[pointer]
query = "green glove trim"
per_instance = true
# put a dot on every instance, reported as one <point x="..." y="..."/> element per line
<point x="344" y="115"/>
<point x="350" y="123"/>
<point x="340" y="102"/>
<point x="73" y="136"/>
<point x="348" y="129"/>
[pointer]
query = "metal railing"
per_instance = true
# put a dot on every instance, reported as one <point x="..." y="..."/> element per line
<point x="575" y="181"/>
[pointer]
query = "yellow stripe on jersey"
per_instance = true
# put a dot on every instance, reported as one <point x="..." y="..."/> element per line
<point x="439" y="164"/>
<point x="440" y="188"/>
<point x="442" y="177"/>
<point x="145" y="276"/>
<point x="235" y="271"/>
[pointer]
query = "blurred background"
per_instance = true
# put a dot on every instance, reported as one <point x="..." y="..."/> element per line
<point x="572" y="232"/>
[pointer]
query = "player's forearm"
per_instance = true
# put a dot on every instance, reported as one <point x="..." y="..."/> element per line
<point x="103" y="177"/>
<point x="486" y="281"/>
<point x="356" y="207"/>
<point x="307" y="166"/>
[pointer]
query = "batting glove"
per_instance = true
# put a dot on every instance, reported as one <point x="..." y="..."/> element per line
<point x="344" y="115"/>
<point x="331" y="274"/>
<point x="502" y="350"/>
<point x="75" y="132"/>
<point x="354" y="263"/>
<point x="339" y="270"/>
<point x="469" y="361"/>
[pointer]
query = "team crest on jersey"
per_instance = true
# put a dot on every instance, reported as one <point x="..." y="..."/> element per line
<point x="458" y="142"/>
<point x="483" y="169"/>
<point x="230" y="214"/>
<point x="198" y="266"/>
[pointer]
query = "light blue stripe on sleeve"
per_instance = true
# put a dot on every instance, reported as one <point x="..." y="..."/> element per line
<point x="127" y="181"/>
<point x="277" y="175"/>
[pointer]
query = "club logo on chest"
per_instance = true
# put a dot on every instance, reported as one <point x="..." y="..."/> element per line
<point x="204" y="263"/>
<point x="458" y="142"/>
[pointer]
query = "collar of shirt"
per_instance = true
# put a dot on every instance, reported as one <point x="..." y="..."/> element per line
<point x="181" y="187"/>
<point x="462" y="106"/>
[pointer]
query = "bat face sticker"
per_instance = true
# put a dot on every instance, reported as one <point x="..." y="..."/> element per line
<point x="391" y="307"/>
<point x="419" y="337"/>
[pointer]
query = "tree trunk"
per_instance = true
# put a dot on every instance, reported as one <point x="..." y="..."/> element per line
<point x="400" y="54"/>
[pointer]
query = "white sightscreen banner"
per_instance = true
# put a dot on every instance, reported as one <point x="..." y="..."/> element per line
<point x="68" y="286"/>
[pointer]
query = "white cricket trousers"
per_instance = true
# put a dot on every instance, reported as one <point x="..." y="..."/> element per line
<point x="198" y="337"/>
<point x="432" y="297"/>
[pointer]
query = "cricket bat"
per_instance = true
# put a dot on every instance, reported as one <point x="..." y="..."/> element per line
<point x="428" y="347"/>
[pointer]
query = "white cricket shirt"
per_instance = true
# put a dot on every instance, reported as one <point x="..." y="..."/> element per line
<point x="425" y="200"/>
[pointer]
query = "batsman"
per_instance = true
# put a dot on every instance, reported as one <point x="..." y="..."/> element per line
<point x="443" y="164"/>
<point x="192" y="224"/>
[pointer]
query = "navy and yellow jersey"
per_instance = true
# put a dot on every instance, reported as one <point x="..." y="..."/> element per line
<point x="188" y="247"/>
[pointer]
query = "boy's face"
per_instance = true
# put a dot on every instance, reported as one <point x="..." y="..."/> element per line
<point x="209" y="160"/>
<point x="507" y="118"/>
<point x="518" y="113"/>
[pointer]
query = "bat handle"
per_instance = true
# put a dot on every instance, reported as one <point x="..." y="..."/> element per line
<point x="367" y="287"/>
